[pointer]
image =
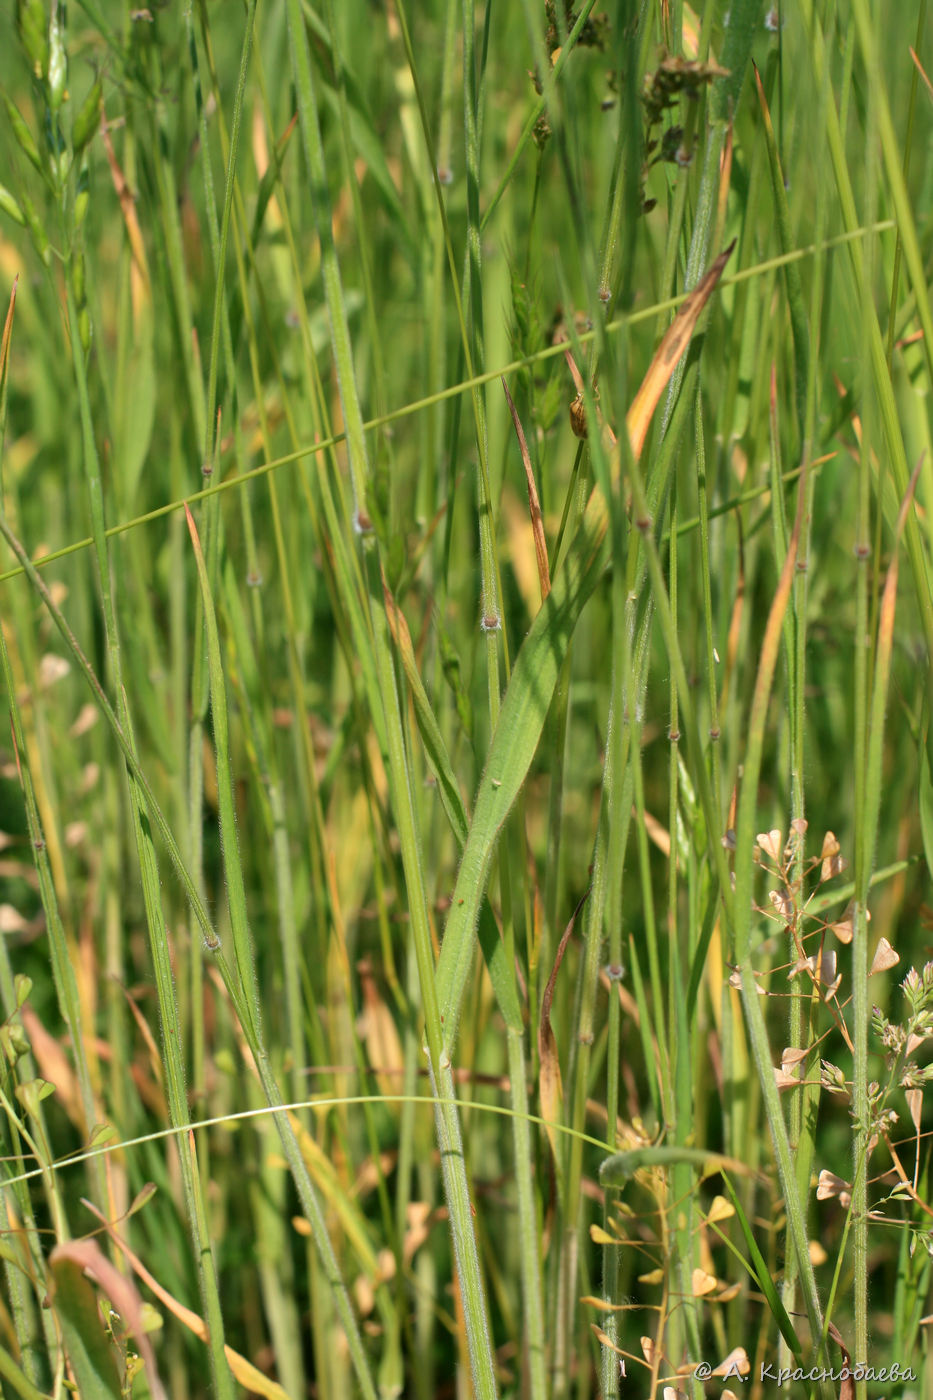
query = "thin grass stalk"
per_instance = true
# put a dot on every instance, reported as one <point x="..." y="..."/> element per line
<point x="804" y="1108"/>
<point x="570" y="1202"/>
<point x="446" y="1116"/>
<point x="220" y="348"/>
<point x="861" y="1015"/>
<point x="738" y="909"/>
<point x="29" y="1123"/>
<point x="570" y="1179"/>
<point x="493" y="622"/>
<point x="533" y="1309"/>
<point x="332" y="536"/>
<point x="502" y="969"/>
<point x="270" y="777"/>
<point x="618" y="738"/>
<point x="18" y="1381"/>
<point x="168" y="1010"/>
<point x="866" y="584"/>
<point x="369" y="298"/>
<point x="893" y="155"/>
<point x="190" y="824"/>
<point x="219" y="236"/>
<point x="618" y="838"/>
<point x="525" y="710"/>
<point x="414" y="1318"/>
<point x="626" y="692"/>
<point x="62" y="969"/>
<point x="309" y="127"/>
<point x="127" y="749"/>
<point x="210" y="443"/>
<point x="879" y="377"/>
<point x="37" y="754"/>
<point x="334" y="528"/>
<point x="634" y="723"/>
<point x="446" y="97"/>
<point x="681" y="1092"/>
<point x="197" y="672"/>
<point x="740" y="28"/>
<point x="306" y="1193"/>
<point x="244" y="959"/>
<point x="871" y="785"/>
<point x="697" y="257"/>
<point x="712" y="693"/>
<point x="794" y="647"/>
<point x="22" y="1305"/>
<point x="269" y="1202"/>
<point x="63" y="974"/>
<point x="169" y="203"/>
<point x="905" y="168"/>
<point x="464" y="307"/>
<point x="33" y="1325"/>
<point x="555" y="747"/>
<point x="742" y="906"/>
<point x="795" y="298"/>
<point x="471" y="299"/>
<point x="431" y="482"/>
<point x="291" y="959"/>
<point x="415" y="406"/>
<point x="688" y="722"/>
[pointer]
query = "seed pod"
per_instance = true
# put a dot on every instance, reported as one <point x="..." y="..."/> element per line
<point x="23" y="134"/>
<point x="39" y="236"/>
<point x="82" y="197"/>
<point x="9" y="206"/>
<point x="88" y="119"/>
<point x="32" y="24"/>
<point x="79" y="280"/>
<point x="58" y="61"/>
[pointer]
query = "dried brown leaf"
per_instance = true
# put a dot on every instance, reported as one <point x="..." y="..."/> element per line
<point x="669" y="353"/>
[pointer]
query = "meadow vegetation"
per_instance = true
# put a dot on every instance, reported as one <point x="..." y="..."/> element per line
<point x="467" y="802"/>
